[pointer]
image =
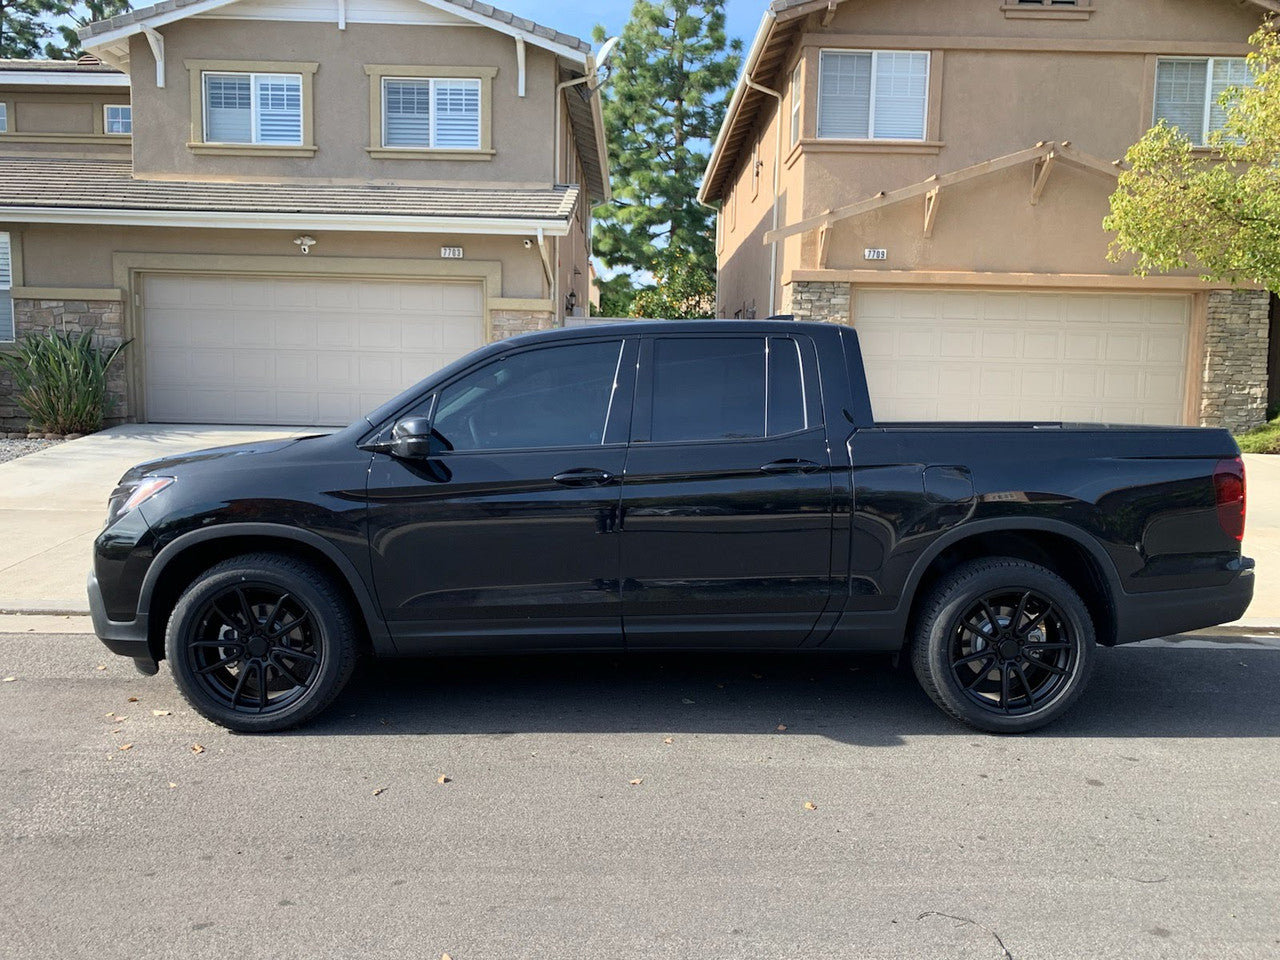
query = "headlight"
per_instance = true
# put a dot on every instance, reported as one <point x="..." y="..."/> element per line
<point x="127" y="496"/>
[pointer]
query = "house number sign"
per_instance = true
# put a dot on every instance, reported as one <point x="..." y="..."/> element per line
<point x="450" y="253"/>
<point x="875" y="253"/>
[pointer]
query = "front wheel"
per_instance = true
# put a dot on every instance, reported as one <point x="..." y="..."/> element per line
<point x="261" y="642"/>
<point x="1003" y="645"/>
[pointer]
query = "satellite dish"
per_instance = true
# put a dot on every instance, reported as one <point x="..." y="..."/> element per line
<point x="605" y="52"/>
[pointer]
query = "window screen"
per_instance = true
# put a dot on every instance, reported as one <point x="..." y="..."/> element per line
<point x="873" y="95"/>
<point x="708" y="389"/>
<point x="444" y="114"/>
<point x="1188" y="92"/>
<point x="117" y="119"/>
<point x="253" y="108"/>
<point x="6" y="286"/>
<point x="552" y="397"/>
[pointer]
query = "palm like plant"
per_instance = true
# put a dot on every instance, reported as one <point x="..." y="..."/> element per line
<point x="60" y="380"/>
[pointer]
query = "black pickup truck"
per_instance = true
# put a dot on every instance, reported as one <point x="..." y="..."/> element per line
<point x="697" y="485"/>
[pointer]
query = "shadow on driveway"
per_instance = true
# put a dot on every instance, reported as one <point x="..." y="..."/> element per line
<point x="1135" y="692"/>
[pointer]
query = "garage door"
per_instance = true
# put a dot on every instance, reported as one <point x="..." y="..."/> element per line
<point x="226" y="349"/>
<point x="979" y="355"/>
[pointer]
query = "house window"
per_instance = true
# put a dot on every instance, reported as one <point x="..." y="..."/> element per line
<point x="1188" y="91"/>
<point x="873" y="95"/>
<point x="433" y="113"/>
<point x="117" y="119"/>
<point x="6" y="289"/>
<point x="4" y="117"/>
<point x="796" y="100"/>
<point x="253" y="108"/>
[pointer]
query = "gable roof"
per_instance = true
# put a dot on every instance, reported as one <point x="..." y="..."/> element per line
<point x="782" y="21"/>
<point x="40" y="73"/>
<point x="102" y="33"/>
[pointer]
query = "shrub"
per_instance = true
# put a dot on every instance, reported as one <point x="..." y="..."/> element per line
<point x="60" y="380"/>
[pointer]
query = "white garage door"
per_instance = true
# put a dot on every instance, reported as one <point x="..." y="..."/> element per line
<point x="225" y="349"/>
<point x="988" y="355"/>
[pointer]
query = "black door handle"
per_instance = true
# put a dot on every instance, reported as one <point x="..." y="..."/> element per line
<point x="583" y="477"/>
<point x="791" y="466"/>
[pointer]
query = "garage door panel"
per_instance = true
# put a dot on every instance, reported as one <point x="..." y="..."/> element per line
<point x="1042" y="355"/>
<point x="308" y="351"/>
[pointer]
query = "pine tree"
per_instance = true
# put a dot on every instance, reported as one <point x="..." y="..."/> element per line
<point x="24" y="24"/>
<point x="663" y="104"/>
<point x="80" y="14"/>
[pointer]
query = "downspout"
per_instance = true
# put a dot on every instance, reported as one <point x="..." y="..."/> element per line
<point x="590" y="75"/>
<point x="777" y="174"/>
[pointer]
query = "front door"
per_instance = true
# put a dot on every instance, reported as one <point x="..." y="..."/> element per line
<point x="727" y="499"/>
<point x="507" y="536"/>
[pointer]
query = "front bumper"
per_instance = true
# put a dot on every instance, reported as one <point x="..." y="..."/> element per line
<point x="1143" y="616"/>
<point x="128" y="638"/>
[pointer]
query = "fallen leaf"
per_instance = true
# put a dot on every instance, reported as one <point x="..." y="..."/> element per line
<point x="781" y="727"/>
<point x="102" y="666"/>
<point x="379" y="791"/>
<point x="133" y="699"/>
<point x="810" y="805"/>
<point x="115" y="731"/>
<point x="126" y="746"/>
<point x="669" y="740"/>
<point x="445" y="956"/>
<point x="637" y="781"/>
<point x="443" y="779"/>
<point x="160" y="713"/>
<point x="172" y="785"/>
<point x="8" y="680"/>
<point x="196" y="748"/>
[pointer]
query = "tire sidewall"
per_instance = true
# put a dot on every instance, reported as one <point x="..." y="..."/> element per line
<point x="963" y="590"/>
<point x="327" y="619"/>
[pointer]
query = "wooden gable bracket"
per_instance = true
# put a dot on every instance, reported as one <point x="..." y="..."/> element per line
<point x="931" y="210"/>
<point x="830" y="13"/>
<point x="824" y="245"/>
<point x="156" y="42"/>
<point x="1041" y="170"/>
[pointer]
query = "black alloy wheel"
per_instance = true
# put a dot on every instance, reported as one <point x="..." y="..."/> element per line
<point x="1003" y="645"/>
<point x="261" y="642"/>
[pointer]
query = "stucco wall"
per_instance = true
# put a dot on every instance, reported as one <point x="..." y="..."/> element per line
<point x="66" y="121"/>
<point x="55" y="255"/>
<point x="163" y="118"/>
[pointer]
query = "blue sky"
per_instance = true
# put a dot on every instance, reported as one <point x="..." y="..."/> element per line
<point x="579" y="16"/>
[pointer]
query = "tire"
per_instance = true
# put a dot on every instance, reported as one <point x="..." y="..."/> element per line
<point x="261" y="642"/>
<point x="1003" y="645"/>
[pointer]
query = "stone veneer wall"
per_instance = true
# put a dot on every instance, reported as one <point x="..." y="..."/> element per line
<point x="103" y="317"/>
<point x="512" y="323"/>
<point x="1235" y="359"/>
<point x="817" y="300"/>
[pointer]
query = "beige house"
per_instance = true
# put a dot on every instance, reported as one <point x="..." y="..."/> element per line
<point x="295" y="209"/>
<point x="936" y="172"/>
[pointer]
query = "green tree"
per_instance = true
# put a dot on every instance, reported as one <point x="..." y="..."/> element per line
<point x="682" y="290"/>
<point x="24" y="25"/>
<point x="664" y="102"/>
<point x="81" y="14"/>
<point x="1219" y="213"/>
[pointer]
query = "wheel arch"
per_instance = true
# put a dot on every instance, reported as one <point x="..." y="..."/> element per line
<point x="186" y="557"/>
<point x="1058" y="547"/>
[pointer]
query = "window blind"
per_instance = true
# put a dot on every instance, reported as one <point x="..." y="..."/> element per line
<point x="6" y="285"/>
<point x="873" y="95"/>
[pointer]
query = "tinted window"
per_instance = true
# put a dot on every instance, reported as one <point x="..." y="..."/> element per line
<point x="710" y="389"/>
<point x="553" y="397"/>
<point x="786" y="388"/>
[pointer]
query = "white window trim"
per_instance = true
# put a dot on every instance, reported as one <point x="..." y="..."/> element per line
<point x="871" y="115"/>
<point x="4" y="117"/>
<point x="253" y="108"/>
<point x="1209" y="99"/>
<point x="431" y="81"/>
<point x="106" y="112"/>
<point x="796" y="101"/>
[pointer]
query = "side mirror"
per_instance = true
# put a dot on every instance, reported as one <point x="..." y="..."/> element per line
<point x="413" y="439"/>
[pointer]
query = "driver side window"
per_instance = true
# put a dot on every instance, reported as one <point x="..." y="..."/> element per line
<point x="550" y="397"/>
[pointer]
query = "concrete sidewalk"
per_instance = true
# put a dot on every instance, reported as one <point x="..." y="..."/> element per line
<point x="53" y="504"/>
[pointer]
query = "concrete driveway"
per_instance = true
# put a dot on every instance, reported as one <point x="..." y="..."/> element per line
<point x="53" y="504"/>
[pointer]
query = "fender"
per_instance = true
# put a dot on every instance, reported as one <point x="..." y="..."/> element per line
<point x="885" y="630"/>
<point x="379" y="635"/>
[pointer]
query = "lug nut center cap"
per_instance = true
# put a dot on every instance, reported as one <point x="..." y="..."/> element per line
<point x="1009" y="649"/>
<point x="257" y="646"/>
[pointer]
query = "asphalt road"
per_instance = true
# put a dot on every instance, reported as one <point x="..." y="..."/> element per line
<point x="1144" y="825"/>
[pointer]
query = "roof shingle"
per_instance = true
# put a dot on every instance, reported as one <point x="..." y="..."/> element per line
<point x="98" y="184"/>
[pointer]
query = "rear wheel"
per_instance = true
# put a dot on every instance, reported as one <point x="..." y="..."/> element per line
<point x="261" y="642"/>
<point x="1003" y="645"/>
